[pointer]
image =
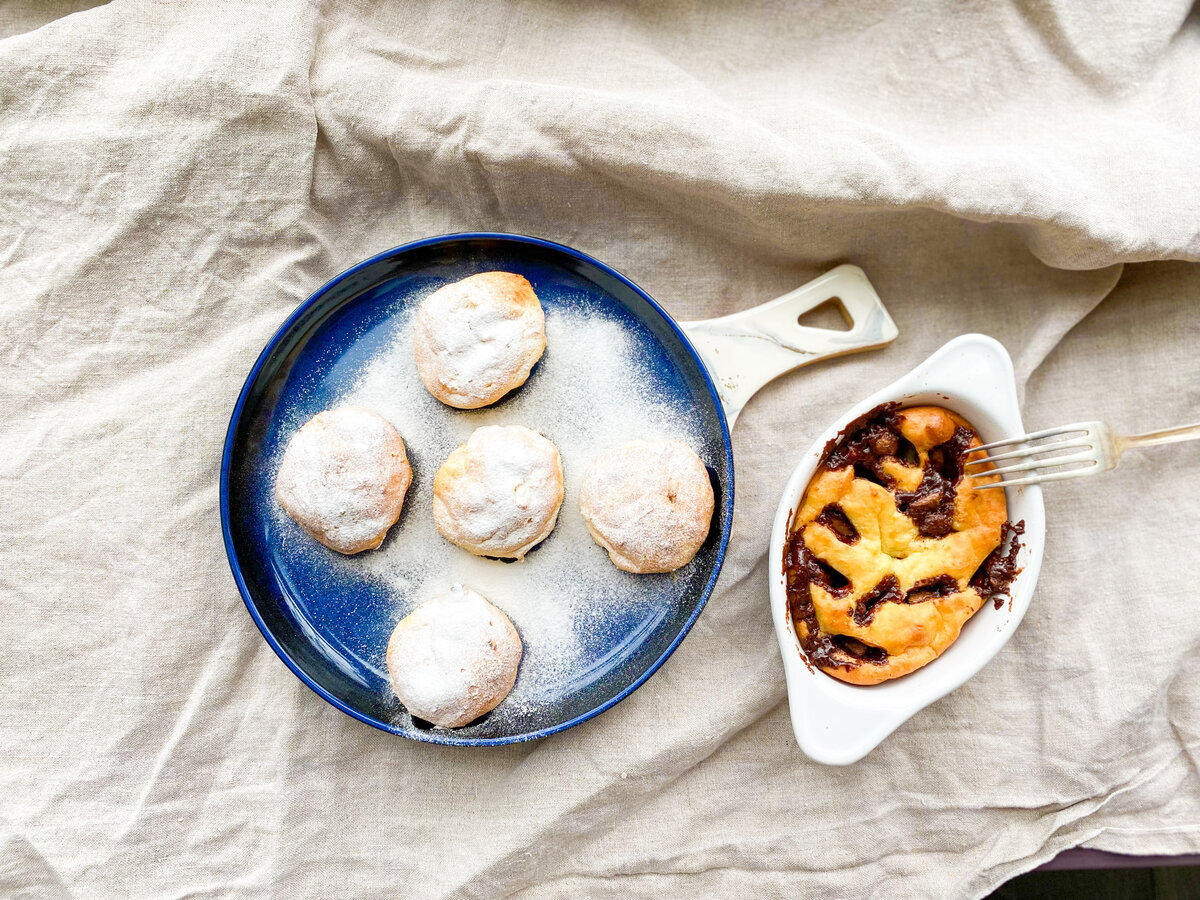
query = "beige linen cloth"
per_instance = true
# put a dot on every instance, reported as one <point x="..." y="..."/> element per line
<point x="175" y="178"/>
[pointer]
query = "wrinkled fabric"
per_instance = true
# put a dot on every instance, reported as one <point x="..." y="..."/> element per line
<point x="176" y="178"/>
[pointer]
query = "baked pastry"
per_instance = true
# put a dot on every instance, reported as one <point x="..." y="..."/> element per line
<point x="499" y="493"/>
<point x="892" y="548"/>
<point x="650" y="505"/>
<point x="453" y="658"/>
<point x="343" y="478"/>
<point x="476" y="339"/>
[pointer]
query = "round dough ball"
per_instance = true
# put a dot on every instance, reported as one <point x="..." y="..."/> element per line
<point x="499" y="493"/>
<point x="343" y="478"/>
<point x="453" y="658"/>
<point x="476" y="339"/>
<point x="649" y="505"/>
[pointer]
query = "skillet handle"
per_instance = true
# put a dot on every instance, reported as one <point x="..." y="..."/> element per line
<point x="747" y="349"/>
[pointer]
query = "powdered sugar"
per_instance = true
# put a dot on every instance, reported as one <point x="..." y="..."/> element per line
<point x="649" y="504"/>
<point x="499" y="493"/>
<point x="477" y="338"/>
<point x="343" y="478"/>
<point x="592" y="390"/>
<point x="454" y="658"/>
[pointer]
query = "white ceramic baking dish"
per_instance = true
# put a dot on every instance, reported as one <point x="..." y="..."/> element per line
<point x="838" y="723"/>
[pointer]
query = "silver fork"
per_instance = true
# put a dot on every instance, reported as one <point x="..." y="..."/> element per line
<point x="1099" y="449"/>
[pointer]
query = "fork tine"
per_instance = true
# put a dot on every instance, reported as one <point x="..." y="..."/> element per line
<point x="1029" y="451"/>
<point x="1038" y="479"/>
<point x="1053" y="463"/>
<point x="1037" y="435"/>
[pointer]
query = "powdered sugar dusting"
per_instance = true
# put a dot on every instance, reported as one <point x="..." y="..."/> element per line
<point x="592" y="390"/>
<point x="499" y="493"/>
<point x="477" y="337"/>
<point x="650" y="504"/>
<point x="454" y="658"/>
<point x="343" y="477"/>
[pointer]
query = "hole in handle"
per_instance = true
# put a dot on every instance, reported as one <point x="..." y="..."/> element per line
<point x="830" y="315"/>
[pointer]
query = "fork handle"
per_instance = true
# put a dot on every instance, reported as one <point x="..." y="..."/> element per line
<point x="1169" y="436"/>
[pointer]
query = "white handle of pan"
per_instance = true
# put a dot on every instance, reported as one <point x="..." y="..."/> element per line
<point x="745" y="350"/>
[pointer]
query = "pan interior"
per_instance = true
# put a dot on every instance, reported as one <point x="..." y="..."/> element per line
<point x="597" y="632"/>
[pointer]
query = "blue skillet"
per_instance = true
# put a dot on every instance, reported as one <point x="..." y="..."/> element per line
<point x="319" y="623"/>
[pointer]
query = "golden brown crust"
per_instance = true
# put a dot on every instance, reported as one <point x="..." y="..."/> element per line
<point x="913" y="628"/>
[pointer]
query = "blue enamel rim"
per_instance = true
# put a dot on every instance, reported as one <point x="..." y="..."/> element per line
<point x="433" y="737"/>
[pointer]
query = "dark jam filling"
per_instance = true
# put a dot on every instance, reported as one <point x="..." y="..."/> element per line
<point x="835" y="520"/>
<point x="860" y="651"/>
<point x="871" y="440"/>
<point x="888" y="591"/>
<point x="931" y="505"/>
<point x="930" y="588"/>
<point x="802" y="570"/>
<point x="995" y="576"/>
<point x="866" y="444"/>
